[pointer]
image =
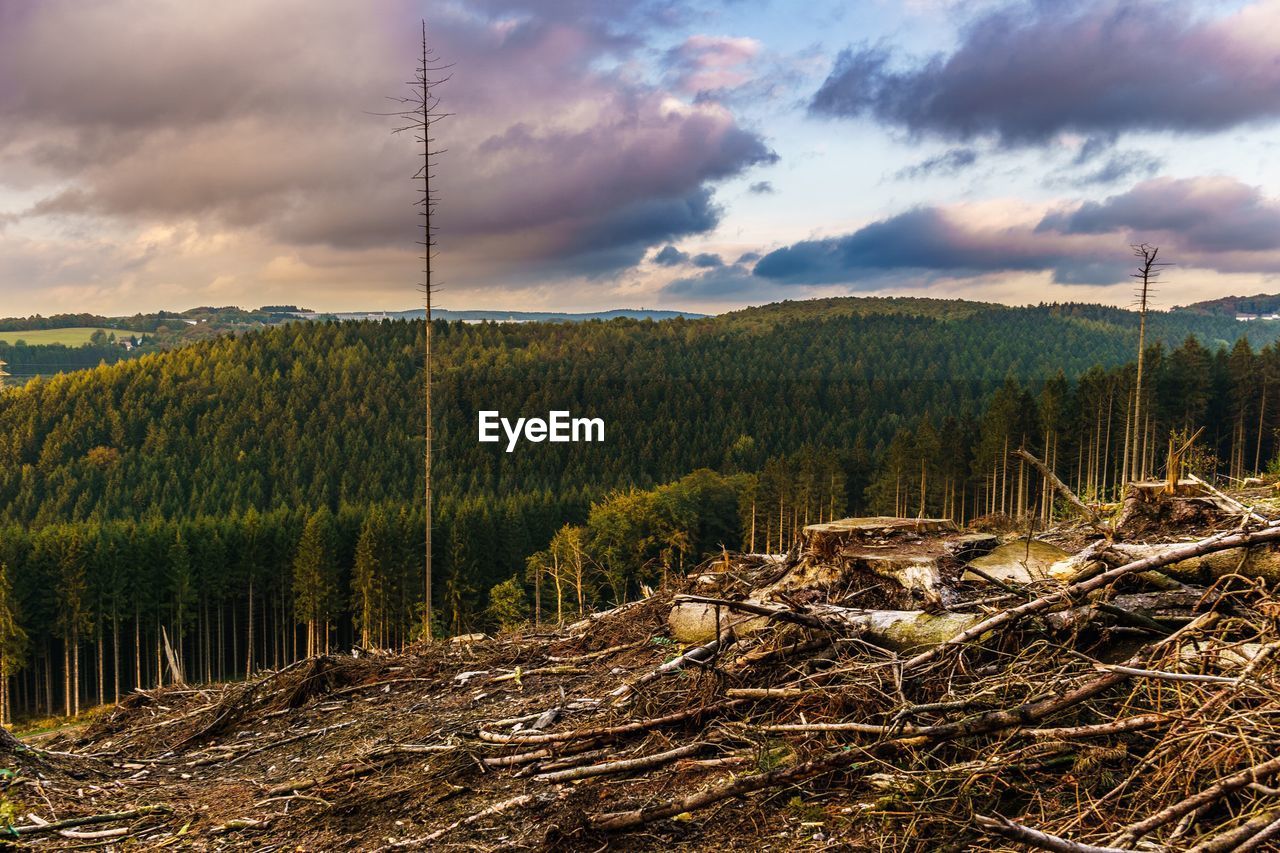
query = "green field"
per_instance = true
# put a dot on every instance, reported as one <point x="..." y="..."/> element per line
<point x="72" y="337"/>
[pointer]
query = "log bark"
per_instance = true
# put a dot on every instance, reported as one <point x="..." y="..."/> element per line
<point x="1249" y="562"/>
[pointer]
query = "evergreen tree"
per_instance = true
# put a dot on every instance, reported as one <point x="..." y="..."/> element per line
<point x="315" y="572"/>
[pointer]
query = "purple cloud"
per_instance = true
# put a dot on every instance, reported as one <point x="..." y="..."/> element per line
<point x="1204" y="215"/>
<point x="237" y="117"/>
<point x="1025" y="73"/>
<point x="927" y="240"/>
<point x="1204" y="223"/>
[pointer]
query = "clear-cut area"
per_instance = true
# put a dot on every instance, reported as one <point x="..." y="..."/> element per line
<point x="884" y="668"/>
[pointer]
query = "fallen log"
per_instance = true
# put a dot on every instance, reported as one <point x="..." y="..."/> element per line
<point x="1220" y="542"/>
<point x="495" y="809"/>
<point x="856" y="728"/>
<point x="775" y="613"/>
<point x="1240" y="508"/>
<point x="1270" y="832"/>
<point x="775" y="692"/>
<point x="900" y="630"/>
<point x="1249" y="562"/>
<point x="536" y="755"/>
<point x="1138" y="608"/>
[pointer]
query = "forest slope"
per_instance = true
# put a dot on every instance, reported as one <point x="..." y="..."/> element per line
<point x="316" y="414"/>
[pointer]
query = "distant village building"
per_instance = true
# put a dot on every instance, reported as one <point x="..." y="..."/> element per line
<point x="1244" y="317"/>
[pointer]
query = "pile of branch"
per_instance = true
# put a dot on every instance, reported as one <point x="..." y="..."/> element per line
<point x="1100" y="715"/>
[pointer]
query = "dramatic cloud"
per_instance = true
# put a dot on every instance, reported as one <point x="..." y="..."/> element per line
<point x="733" y="282"/>
<point x="1202" y="215"/>
<point x="927" y="240"/>
<point x="248" y="118"/>
<point x="1214" y="224"/>
<point x="947" y="163"/>
<point x="1029" y="71"/>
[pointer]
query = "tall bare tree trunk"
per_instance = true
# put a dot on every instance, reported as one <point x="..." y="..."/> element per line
<point x="1128" y="439"/>
<point x="66" y="672"/>
<point x="420" y="114"/>
<point x="115" y="654"/>
<point x="248" y="654"/>
<point x="75" y="677"/>
<point x="102" y="653"/>
<point x="1148" y="272"/>
<point x="1262" y="409"/>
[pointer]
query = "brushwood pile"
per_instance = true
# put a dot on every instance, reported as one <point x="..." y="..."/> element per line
<point x="1107" y="683"/>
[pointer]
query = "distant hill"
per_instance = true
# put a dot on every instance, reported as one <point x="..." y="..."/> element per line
<point x="1260" y="305"/>
<point x="1214" y="323"/>
<point x="856" y="306"/>
<point x="478" y="316"/>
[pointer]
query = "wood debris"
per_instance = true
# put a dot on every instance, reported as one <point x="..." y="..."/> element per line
<point x="868" y="692"/>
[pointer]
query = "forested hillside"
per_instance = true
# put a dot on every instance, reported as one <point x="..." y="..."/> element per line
<point x="252" y="497"/>
<point x="1230" y="306"/>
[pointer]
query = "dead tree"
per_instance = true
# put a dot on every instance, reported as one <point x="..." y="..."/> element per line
<point x="1148" y="271"/>
<point x="420" y="113"/>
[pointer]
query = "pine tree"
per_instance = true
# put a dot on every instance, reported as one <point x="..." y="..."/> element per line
<point x="315" y="571"/>
<point x="367" y="579"/>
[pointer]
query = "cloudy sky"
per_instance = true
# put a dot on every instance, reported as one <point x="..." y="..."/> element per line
<point x="658" y="153"/>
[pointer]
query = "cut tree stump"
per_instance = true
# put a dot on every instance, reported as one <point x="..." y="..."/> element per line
<point x="1017" y="562"/>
